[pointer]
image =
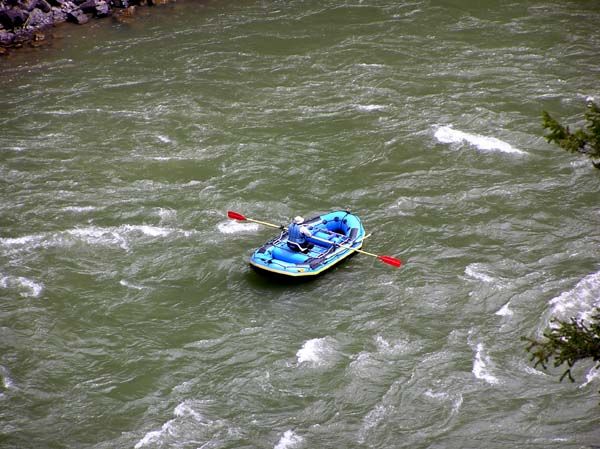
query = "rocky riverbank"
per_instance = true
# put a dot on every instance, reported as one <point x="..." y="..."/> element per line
<point x="26" y="22"/>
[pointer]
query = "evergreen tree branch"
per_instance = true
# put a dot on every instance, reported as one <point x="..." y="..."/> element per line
<point x="568" y="342"/>
<point x="584" y="141"/>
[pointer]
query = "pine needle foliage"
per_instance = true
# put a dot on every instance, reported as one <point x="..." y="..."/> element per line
<point x="584" y="141"/>
<point x="567" y="342"/>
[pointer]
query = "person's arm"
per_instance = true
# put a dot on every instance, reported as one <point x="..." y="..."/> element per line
<point x="304" y="230"/>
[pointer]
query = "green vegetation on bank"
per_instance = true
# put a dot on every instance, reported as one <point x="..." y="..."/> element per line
<point x="576" y="339"/>
<point x="567" y="342"/>
<point x="584" y="141"/>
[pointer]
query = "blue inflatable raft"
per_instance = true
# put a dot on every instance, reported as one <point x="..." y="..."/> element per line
<point x="335" y="236"/>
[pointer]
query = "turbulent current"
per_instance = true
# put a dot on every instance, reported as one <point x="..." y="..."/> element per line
<point x="129" y="317"/>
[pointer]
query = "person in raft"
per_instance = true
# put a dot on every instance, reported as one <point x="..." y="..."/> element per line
<point x="297" y="236"/>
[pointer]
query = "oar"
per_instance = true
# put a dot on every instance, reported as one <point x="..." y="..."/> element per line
<point x="241" y="217"/>
<point x="335" y="253"/>
<point x="385" y="259"/>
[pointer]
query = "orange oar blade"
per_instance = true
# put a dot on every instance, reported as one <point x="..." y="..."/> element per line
<point x="235" y="215"/>
<point x="390" y="261"/>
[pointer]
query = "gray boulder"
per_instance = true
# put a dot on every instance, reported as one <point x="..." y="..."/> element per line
<point x="97" y="7"/>
<point x="12" y="17"/>
<point x="77" y="16"/>
<point x="39" y="19"/>
<point x="58" y="15"/>
<point x="88" y="6"/>
<point x="102" y="8"/>
<point x="43" y="6"/>
<point x="6" y="38"/>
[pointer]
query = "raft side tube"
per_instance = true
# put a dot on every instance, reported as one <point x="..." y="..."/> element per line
<point x="318" y="237"/>
<point x="287" y="255"/>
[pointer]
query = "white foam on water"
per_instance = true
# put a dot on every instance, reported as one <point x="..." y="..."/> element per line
<point x="441" y="395"/>
<point x="530" y="370"/>
<point x="456" y="400"/>
<point x="22" y="241"/>
<point x="316" y="351"/>
<point x="120" y="235"/>
<point x="205" y="343"/>
<point x="361" y="362"/>
<point x="369" y="107"/>
<point x="182" y="410"/>
<point x="27" y="288"/>
<point x="155" y="435"/>
<point x="288" y="440"/>
<point x="152" y="231"/>
<point x="163" y="139"/>
<point x="32" y="288"/>
<point x="370" y="421"/>
<point x="92" y="235"/>
<point x="364" y="64"/>
<point x="580" y="302"/>
<point x="388" y="348"/>
<point x="131" y="285"/>
<point x="99" y="236"/>
<point x="474" y="271"/>
<point x="579" y="163"/>
<point x="456" y="403"/>
<point x="172" y="158"/>
<point x="590" y="376"/>
<point x="79" y="209"/>
<point x="445" y="134"/>
<point x="166" y="214"/>
<point x="235" y="227"/>
<point x="505" y="310"/>
<point x="7" y="381"/>
<point x="481" y="366"/>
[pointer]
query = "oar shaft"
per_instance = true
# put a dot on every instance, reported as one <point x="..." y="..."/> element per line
<point x="263" y="223"/>
<point x="345" y="246"/>
<point x="363" y="252"/>
<point x="335" y="253"/>
<point x="385" y="259"/>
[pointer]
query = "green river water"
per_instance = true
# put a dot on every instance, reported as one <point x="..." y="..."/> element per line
<point x="129" y="317"/>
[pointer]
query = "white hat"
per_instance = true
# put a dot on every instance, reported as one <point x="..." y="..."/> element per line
<point x="298" y="219"/>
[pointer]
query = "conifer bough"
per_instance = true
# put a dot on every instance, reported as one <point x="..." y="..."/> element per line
<point x="567" y="342"/>
<point x="584" y="141"/>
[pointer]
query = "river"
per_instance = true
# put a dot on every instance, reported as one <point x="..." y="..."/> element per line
<point x="129" y="317"/>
